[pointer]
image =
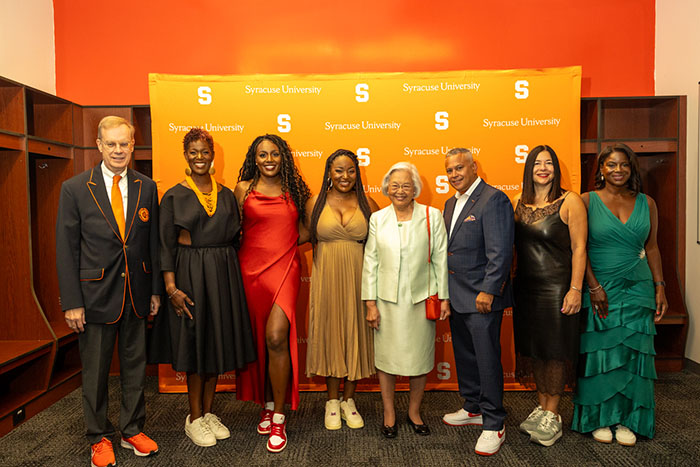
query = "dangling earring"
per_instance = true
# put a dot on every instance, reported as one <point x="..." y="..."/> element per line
<point x="330" y="183"/>
<point x="212" y="170"/>
<point x="188" y="171"/>
<point x="602" y="177"/>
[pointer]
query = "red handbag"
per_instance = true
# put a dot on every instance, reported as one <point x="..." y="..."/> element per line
<point x="432" y="303"/>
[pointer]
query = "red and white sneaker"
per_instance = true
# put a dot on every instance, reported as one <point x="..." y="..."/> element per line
<point x="278" y="433"/>
<point x="490" y="442"/>
<point x="141" y="444"/>
<point x="462" y="417"/>
<point x="265" y="422"/>
<point x="102" y="454"/>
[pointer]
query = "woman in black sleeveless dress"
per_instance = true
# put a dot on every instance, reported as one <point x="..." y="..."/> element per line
<point x="550" y="243"/>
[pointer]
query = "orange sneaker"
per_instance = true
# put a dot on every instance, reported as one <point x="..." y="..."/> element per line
<point x="102" y="454"/>
<point x="141" y="444"/>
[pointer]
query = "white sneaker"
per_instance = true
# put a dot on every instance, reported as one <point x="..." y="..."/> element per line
<point x="462" y="417"/>
<point x="532" y="420"/>
<point x="603" y="435"/>
<point x="349" y="413"/>
<point x="332" y="418"/>
<point x="490" y="442"/>
<point x="548" y="430"/>
<point x="625" y="436"/>
<point x="198" y="431"/>
<point x="219" y="429"/>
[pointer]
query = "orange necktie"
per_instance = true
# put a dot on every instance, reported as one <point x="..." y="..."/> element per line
<point x="118" y="204"/>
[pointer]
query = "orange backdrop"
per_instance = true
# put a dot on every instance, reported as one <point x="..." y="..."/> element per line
<point x="384" y="118"/>
<point x="105" y="50"/>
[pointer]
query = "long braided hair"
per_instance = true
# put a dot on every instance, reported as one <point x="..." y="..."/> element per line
<point x="293" y="185"/>
<point x="325" y="187"/>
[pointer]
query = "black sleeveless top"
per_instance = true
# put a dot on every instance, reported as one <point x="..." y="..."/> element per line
<point x="543" y="248"/>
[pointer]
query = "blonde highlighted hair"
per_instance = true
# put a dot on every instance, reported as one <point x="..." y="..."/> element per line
<point x="112" y="121"/>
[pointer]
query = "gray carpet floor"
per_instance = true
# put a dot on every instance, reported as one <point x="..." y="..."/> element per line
<point x="55" y="437"/>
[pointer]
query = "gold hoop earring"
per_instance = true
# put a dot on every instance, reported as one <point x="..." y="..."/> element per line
<point x="188" y="171"/>
<point x="212" y="170"/>
<point x="330" y="183"/>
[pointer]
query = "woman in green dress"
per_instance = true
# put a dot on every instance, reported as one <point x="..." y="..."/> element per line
<point x="625" y="297"/>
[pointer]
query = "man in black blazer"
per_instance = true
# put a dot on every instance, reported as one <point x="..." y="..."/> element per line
<point x="479" y="221"/>
<point x="109" y="278"/>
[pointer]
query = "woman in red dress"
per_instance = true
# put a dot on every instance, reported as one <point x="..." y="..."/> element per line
<point x="273" y="197"/>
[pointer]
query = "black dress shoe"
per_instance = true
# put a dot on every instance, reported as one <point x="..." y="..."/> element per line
<point x="422" y="429"/>
<point x="389" y="432"/>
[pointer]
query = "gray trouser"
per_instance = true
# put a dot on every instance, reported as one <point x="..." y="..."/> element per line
<point x="96" y="349"/>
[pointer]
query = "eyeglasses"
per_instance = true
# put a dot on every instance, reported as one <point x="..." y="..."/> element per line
<point x="394" y="187"/>
<point x="113" y="145"/>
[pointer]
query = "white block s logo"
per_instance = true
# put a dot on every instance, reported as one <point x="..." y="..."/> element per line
<point x="362" y="92"/>
<point x="441" y="184"/>
<point x="443" y="370"/>
<point x="521" y="151"/>
<point x="204" y="93"/>
<point x="521" y="90"/>
<point x="363" y="158"/>
<point x="283" y="123"/>
<point x="441" y="121"/>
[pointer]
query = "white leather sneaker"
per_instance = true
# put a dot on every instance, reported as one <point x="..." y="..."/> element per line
<point x="349" y="413"/>
<point x="462" y="417"/>
<point x="219" y="429"/>
<point x="198" y="431"/>
<point x="625" y="436"/>
<point x="490" y="442"/>
<point x="332" y="418"/>
<point x="603" y="435"/>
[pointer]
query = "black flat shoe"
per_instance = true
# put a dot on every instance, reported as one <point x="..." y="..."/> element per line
<point x="422" y="429"/>
<point x="389" y="432"/>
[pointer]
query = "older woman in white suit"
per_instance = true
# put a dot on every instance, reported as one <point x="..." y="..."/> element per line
<point x="396" y="280"/>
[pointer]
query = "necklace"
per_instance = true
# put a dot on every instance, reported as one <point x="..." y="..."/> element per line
<point x="207" y="200"/>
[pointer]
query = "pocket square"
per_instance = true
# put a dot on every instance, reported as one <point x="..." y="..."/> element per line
<point x="470" y="218"/>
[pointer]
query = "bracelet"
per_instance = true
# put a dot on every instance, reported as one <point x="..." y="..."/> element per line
<point x="171" y="295"/>
<point x="659" y="283"/>
<point x="595" y="289"/>
<point x="576" y="289"/>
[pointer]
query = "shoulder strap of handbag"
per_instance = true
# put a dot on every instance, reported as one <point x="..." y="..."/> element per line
<point x="427" y="217"/>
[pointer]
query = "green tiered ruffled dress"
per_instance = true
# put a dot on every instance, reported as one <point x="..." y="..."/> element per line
<point x="616" y="370"/>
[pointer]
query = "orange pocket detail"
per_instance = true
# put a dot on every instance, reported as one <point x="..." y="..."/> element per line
<point x="91" y="275"/>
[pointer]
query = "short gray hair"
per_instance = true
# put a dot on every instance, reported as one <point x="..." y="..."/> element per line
<point x="415" y="176"/>
<point x="457" y="151"/>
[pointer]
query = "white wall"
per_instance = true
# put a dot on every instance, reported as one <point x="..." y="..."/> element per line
<point x="678" y="72"/>
<point x="27" y="52"/>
